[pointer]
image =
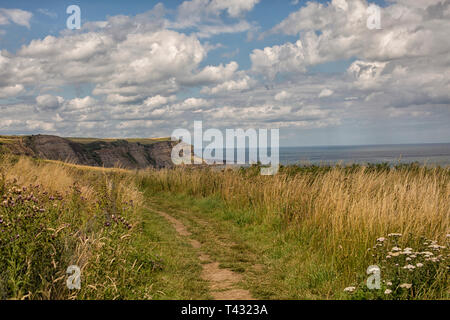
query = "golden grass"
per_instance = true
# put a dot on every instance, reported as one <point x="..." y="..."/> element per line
<point x="343" y="207"/>
<point x="56" y="176"/>
<point x="343" y="211"/>
<point x="340" y="212"/>
<point x="103" y="190"/>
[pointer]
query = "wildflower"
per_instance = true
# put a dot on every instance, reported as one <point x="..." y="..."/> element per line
<point x="436" y="246"/>
<point x="409" y="267"/>
<point x="389" y="283"/>
<point x="406" y="285"/>
<point x="419" y="265"/>
<point x="388" y="291"/>
<point x="408" y="259"/>
<point x="396" y="249"/>
<point x="381" y="239"/>
<point x="394" y="235"/>
<point x="349" y="289"/>
<point x="407" y="251"/>
<point x="388" y="257"/>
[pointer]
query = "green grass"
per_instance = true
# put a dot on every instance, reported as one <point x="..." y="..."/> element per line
<point x="177" y="271"/>
<point x="286" y="242"/>
<point x="278" y="260"/>
<point x="145" y="141"/>
<point x="278" y="264"/>
<point x="44" y="230"/>
<point x="9" y="139"/>
<point x="311" y="227"/>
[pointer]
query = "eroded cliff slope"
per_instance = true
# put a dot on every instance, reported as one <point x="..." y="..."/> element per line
<point x="105" y="153"/>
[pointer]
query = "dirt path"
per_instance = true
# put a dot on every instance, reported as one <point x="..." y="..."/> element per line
<point x="222" y="282"/>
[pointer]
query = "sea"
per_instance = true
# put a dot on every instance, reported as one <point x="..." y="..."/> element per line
<point x="437" y="154"/>
<point x="426" y="154"/>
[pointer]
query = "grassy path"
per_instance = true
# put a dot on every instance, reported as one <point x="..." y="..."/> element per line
<point x="267" y="263"/>
<point x="172" y="270"/>
<point x="223" y="283"/>
<point x="231" y="268"/>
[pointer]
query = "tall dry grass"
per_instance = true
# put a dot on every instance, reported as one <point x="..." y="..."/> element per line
<point x="56" y="176"/>
<point x="342" y="211"/>
<point x="338" y="213"/>
<point x="78" y="210"/>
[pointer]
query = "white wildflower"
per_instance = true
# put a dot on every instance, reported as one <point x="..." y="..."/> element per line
<point x="388" y="291"/>
<point x="419" y="265"/>
<point x="409" y="267"/>
<point x="434" y="259"/>
<point x="406" y="285"/>
<point x="394" y="235"/>
<point x="349" y="289"/>
<point x="436" y="246"/>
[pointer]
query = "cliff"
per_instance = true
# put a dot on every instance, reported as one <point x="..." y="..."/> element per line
<point x="130" y="154"/>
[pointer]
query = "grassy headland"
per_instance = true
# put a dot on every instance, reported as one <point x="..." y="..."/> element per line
<point x="304" y="233"/>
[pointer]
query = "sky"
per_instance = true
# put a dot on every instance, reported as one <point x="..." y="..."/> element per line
<point x="317" y="70"/>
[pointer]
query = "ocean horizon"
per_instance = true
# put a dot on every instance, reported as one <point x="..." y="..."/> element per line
<point x="433" y="154"/>
<point x="430" y="153"/>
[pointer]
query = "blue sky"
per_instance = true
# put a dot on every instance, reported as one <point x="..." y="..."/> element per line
<point x="144" y="68"/>
<point x="267" y="14"/>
